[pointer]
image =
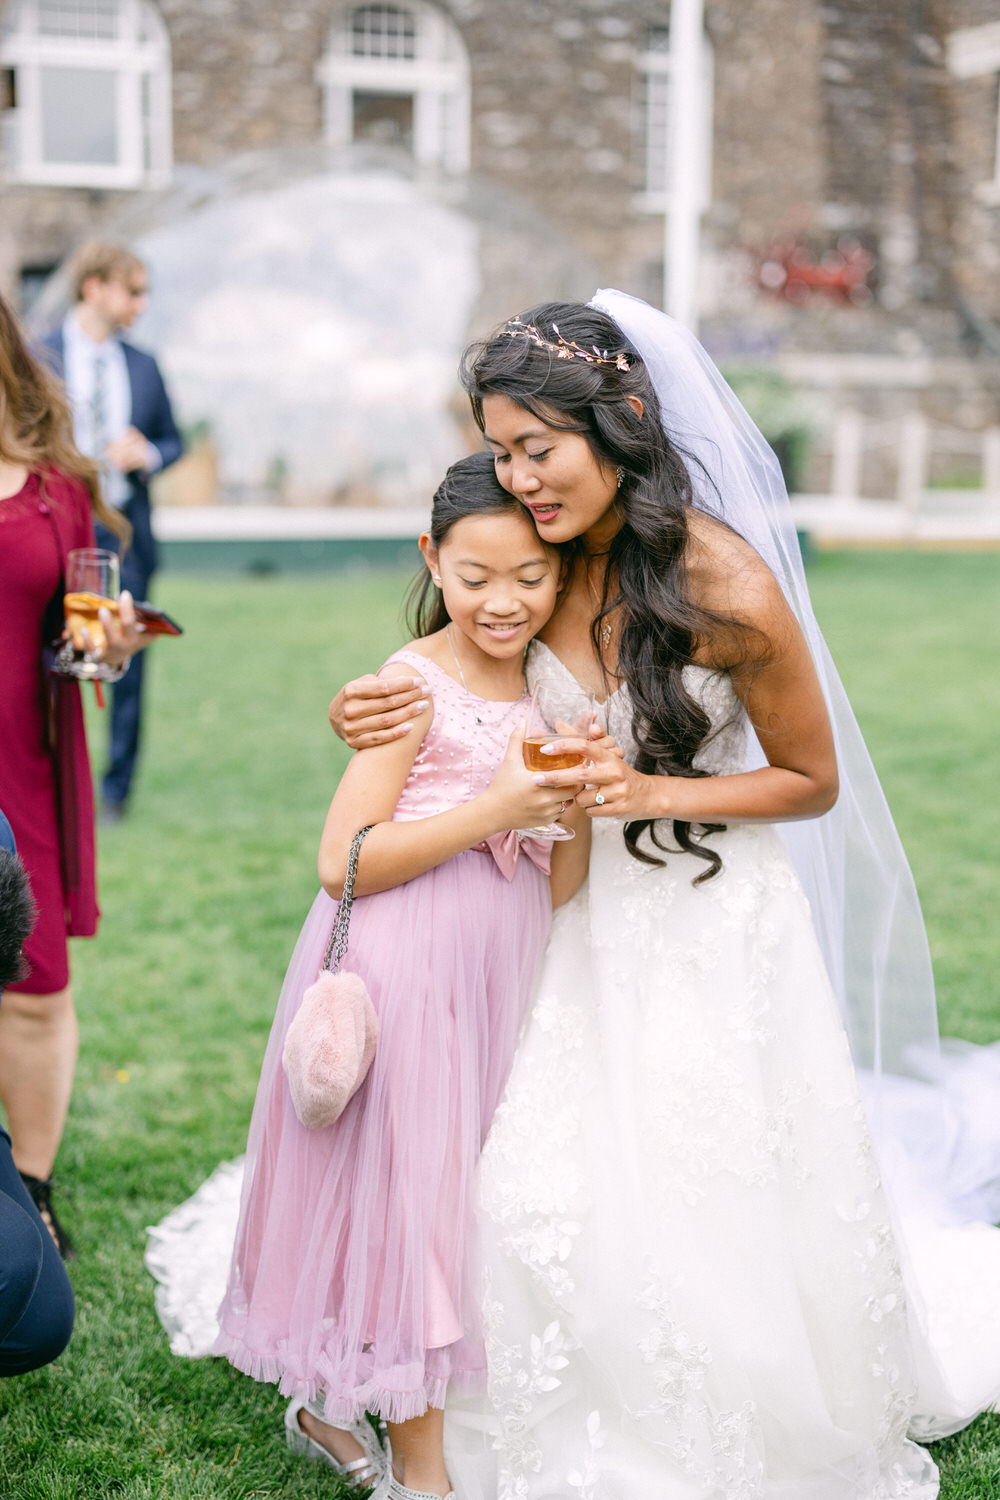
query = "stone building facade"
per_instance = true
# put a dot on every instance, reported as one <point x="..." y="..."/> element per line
<point x="851" y="180"/>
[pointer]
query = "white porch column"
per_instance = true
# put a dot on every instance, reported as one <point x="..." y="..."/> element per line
<point x="845" y="480"/>
<point x="684" y="157"/>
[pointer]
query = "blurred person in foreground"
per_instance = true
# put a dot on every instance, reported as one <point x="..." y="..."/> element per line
<point x="36" y="1299"/>
<point x="122" y="418"/>
<point x="49" y="503"/>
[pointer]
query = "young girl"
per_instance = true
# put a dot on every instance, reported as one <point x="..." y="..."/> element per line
<point x="354" y="1272"/>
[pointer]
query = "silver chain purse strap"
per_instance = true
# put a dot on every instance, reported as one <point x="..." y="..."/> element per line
<point x="337" y="946"/>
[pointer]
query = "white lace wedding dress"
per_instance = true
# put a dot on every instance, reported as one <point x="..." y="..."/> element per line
<point x="693" y="1286"/>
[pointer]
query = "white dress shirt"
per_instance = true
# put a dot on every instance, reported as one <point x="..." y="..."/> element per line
<point x="81" y="354"/>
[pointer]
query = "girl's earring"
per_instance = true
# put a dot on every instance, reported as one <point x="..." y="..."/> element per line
<point x="436" y="579"/>
<point x="620" y="472"/>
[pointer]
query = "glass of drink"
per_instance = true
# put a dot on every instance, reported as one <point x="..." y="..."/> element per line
<point x="92" y="584"/>
<point x="550" y="718"/>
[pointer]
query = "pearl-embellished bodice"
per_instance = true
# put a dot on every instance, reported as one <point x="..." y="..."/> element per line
<point x="463" y="746"/>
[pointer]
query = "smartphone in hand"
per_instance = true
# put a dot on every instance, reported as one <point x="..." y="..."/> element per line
<point x="155" y="621"/>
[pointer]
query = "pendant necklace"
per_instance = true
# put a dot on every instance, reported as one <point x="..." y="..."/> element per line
<point x="606" y="628"/>
<point x="461" y="674"/>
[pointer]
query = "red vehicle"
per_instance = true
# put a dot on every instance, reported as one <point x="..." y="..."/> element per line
<point x="788" y="270"/>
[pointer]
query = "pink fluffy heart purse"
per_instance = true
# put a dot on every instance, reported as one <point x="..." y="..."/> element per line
<point x="330" y="1044"/>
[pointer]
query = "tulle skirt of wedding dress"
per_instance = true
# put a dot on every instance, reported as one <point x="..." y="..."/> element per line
<point x="695" y="1288"/>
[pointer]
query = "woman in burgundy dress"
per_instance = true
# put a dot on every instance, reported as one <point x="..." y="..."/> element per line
<point x="48" y="500"/>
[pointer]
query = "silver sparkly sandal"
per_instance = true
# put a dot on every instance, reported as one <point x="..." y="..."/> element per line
<point x="391" y="1489"/>
<point x="360" y="1472"/>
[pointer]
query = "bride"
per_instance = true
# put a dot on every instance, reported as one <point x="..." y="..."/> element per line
<point x="697" y="1286"/>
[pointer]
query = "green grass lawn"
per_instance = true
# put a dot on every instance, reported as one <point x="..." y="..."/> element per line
<point x="204" y="888"/>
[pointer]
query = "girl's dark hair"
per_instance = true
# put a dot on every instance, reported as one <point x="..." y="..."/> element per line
<point x="470" y="488"/>
<point x="543" y="371"/>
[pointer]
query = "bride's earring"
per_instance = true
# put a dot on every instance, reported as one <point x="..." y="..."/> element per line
<point x="435" y="579"/>
<point x="620" y="474"/>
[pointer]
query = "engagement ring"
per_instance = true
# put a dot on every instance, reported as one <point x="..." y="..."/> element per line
<point x="599" y="799"/>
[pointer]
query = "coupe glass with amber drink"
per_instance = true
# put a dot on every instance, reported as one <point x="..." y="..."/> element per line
<point x="91" y="585"/>
<point x="547" y="725"/>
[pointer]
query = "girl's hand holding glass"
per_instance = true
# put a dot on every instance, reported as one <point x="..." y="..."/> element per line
<point x="523" y="799"/>
<point x="559" y="743"/>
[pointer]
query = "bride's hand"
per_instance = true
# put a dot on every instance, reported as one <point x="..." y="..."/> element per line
<point x="374" y="710"/>
<point x="600" y="739"/>
<point x="614" y="789"/>
<point x="597" y="741"/>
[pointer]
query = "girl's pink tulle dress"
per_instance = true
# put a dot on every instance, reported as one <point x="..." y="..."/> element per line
<point x="355" y="1269"/>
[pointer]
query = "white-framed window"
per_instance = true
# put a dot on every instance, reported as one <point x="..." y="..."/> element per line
<point x="86" y="96"/>
<point x="398" y="76"/>
<point x="654" y="66"/>
<point x="974" y="52"/>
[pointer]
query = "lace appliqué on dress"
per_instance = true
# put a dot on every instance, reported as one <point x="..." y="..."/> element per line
<point x="680" y="1182"/>
<point x="188" y="1254"/>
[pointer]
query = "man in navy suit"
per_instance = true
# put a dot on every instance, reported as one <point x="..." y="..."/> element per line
<point x="122" y="418"/>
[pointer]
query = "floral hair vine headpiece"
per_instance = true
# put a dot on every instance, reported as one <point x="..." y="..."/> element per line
<point x="564" y="349"/>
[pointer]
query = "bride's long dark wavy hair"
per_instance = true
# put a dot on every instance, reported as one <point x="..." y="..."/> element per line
<point x="646" y="578"/>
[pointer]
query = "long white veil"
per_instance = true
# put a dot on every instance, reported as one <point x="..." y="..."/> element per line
<point x="850" y="861"/>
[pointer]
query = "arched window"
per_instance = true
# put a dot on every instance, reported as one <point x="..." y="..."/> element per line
<point x="655" y="66"/>
<point x="398" y="76"/>
<point x="86" y="93"/>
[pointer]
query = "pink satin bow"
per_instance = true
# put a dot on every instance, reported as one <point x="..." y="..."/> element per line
<point x="506" y="847"/>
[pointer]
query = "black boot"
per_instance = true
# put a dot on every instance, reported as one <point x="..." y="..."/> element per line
<point x="40" y="1192"/>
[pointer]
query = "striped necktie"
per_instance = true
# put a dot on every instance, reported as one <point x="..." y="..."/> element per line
<point x="99" y="407"/>
<point x="100" y="435"/>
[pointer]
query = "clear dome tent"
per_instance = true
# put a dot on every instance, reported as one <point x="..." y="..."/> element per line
<point x="309" y="317"/>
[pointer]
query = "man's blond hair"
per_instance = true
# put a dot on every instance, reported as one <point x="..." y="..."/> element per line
<point x="105" y="260"/>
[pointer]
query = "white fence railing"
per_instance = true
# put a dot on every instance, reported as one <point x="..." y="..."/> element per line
<point x="911" y="449"/>
<point x="915" y="511"/>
